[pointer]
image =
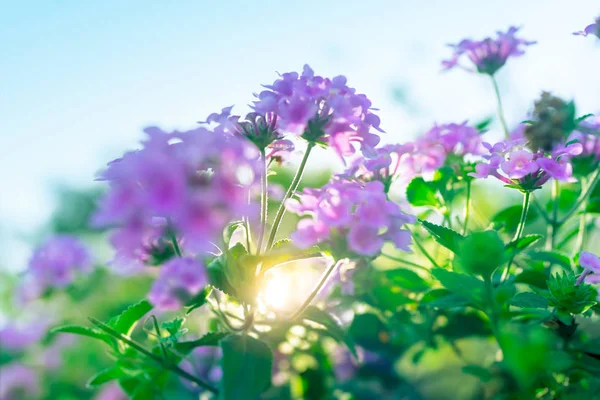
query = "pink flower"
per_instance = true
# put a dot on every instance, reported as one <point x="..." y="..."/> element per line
<point x="488" y="55"/>
<point x="593" y="29"/>
<point x="519" y="164"/>
<point x="320" y="109"/>
<point x="353" y="218"/>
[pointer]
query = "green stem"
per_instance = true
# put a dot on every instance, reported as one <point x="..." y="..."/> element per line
<point x="290" y="192"/>
<point x="500" y="108"/>
<point x="400" y="260"/>
<point x="541" y="210"/>
<point x="264" y="203"/>
<point x="553" y="225"/>
<point x="520" y="229"/>
<point x="173" y="368"/>
<point x="585" y="194"/>
<point x="492" y="311"/>
<point x="467" y="208"/>
<point x="159" y="336"/>
<point x="579" y="244"/>
<point x="174" y="242"/>
<point x="316" y="290"/>
<point x="425" y="253"/>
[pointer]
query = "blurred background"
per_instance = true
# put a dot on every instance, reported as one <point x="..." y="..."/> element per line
<point x="78" y="80"/>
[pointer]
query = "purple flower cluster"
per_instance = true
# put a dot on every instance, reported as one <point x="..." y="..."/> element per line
<point x="350" y="216"/>
<point x="189" y="184"/>
<point x="18" y="381"/>
<point x="488" y="55"/>
<point x="179" y="280"/>
<point x="591" y="266"/>
<point x="512" y="163"/>
<point x="55" y="264"/>
<point x="592" y="29"/>
<point x="320" y="110"/>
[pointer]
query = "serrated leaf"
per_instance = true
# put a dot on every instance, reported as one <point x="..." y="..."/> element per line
<point x="210" y="339"/>
<point x="126" y="321"/>
<point x="85" y="331"/>
<point x="529" y="300"/>
<point x="106" y="375"/>
<point x="444" y="236"/>
<point x="332" y="327"/>
<point x="461" y="284"/>
<point x="217" y="278"/>
<point x="421" y="193"/>
<point x="246" y="365"/>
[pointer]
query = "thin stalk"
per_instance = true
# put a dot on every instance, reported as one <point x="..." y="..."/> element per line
<point x="290" y="192"/>
<point x="492" y="311"/>
<point x="467" y="208"/>
<point x="175" y="244"/>
<point x="579" y="244"/>
<point x="520" y="229"/>
<point x="500" y="108"/>
<point x="400" y="260"/>
<point x="159" y="337"/>
<point x="173" y="368"/>
<point x="540" y="210"/>
<point x="425" y="253"/>
<point x="585" y="194"/>
<point x="553" y="225"/>
<point x="316" y="290"/>
<point x="264" y="203"/>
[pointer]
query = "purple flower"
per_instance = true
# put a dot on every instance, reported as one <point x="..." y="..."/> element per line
<point x="588" y="135"/>
<point x="180" y="279"/>
<point x="488" y="55"/>
<point x="55" y="264"/>
<point x="354" y="218"/>
<point x="19" y="337"/>
<point x="593" y="29"/>
<point x="512" y="163"/>
<point x="190" y="184"/>
<point x="111" y="391"/>
<point x="320" y="109"/>
<point x="18" y="381"/>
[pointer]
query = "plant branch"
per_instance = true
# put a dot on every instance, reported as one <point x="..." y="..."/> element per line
<point x="264" y="203"/>
<point x="500" y="108"/>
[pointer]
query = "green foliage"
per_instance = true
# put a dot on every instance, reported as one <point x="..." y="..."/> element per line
<point x="84" y="331"/>
<point x="422" y="193"/>
<point x="126" y="321"/>
<point x="369" y="331"/>
<point x="210" y="339"/>
<point x="508" y="218"/>
<point x="444" y="236"/>
<point x="246" y="364"/>
<point x="567" y="297"/>
<point x="330" y="326"/>
<point x="529" y="300"/>
<point x="464" y="285"/>
<point x="481" y="253"/>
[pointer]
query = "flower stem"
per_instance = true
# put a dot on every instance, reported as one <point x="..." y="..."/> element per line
<point x="173" y="368"/>
<point x="519" y="233"/>
<point x="467" y="208"/>
<point x="175" y="244"/>
<point x="264" y="203"/>
<point x="400" y="260"/>
<point x="425" y="253"/>
<point x="290" y="192"/>
<point x="316" y="290"/>
<point x="585" y="194"/>
<point x="500" y="108"/>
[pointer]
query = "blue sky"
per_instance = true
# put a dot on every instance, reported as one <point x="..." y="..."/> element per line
<point x="79" y="79"/>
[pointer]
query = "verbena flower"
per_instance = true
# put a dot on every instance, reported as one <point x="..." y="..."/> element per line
<point x="320" y="110"/>
<point x="179" y="280"/>
<point x="591" y="266"/>
<point x="15" y="337"/>
<point x="56" y="263"/>
<point x="189" y="184"/>
<point x="488" y="55"/>
<point x="351" y="217"/>
<point x="588" y="134"/>
<point x="592" y="29"/>
<point x="514" y="164"/>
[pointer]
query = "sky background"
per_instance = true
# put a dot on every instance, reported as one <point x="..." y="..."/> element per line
<point x="80" y="79"/>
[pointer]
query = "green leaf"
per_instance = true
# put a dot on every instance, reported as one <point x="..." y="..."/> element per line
<point x="443" y="299"/>
<point x="444" y="236"/>
<point x="216" y="276"/>
<point x="406" y="279"/>
<point x="126" y="321"/>
<point x="529" y="300"/>
<point x="106" y="375"/>
<point x="422" y="193"/>
<point x="508" y="219"/>
<point x="368" y="331"/>
<point x="482" y="373"/>
<point x="521" y="244"/>
<point x="388" y="298"/>
<point x="246" y="364"/>
<point x="85" y="331"/>
<point x="332" y="326"/>
<point x="210" y="339"/>
<point x="198" y="300"/>
<point x="461" y="284"/>
<point x="553" y="257"/>
<point x="230" y="230"/>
